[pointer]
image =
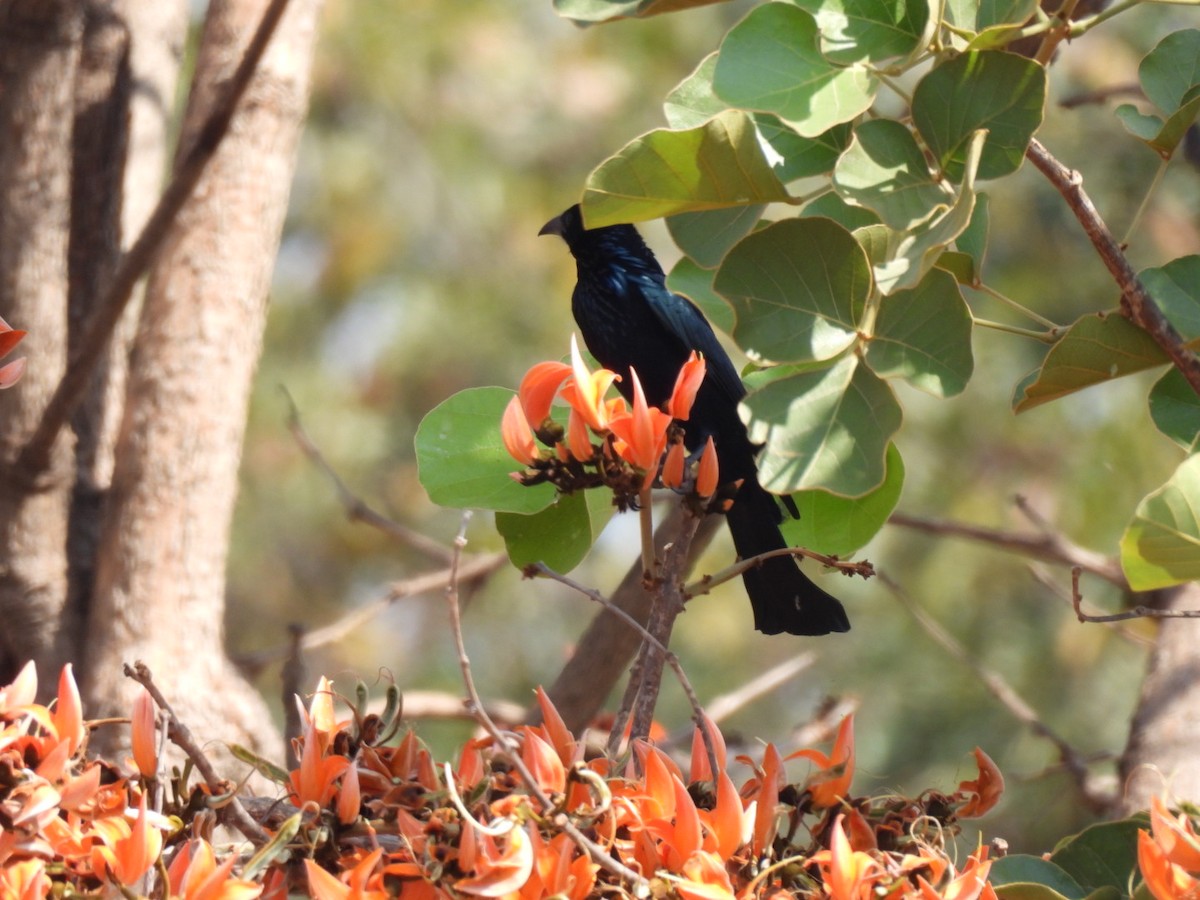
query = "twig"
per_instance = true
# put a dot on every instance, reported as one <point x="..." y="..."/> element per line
<point x="1136" y="301"/>
<point x="1137" y="612"/>
<point x="1100" y="95"/>
<point x="357" y="509"/>
<point x="503" y="740"/>
<point x="1046" y="546"/>
<point x="705" y="584"/>
<point x="1050" y="582"/>
<point x="35" y="455"/>
<point x="473" y="570"/>
<point x="1074" y="762"/>
<point x="231" y="812"/>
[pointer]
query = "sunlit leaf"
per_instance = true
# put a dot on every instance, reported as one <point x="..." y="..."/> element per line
<point x="831" y="206"/>
<point x="707" y="236"/>
<point x="559" y="535"/>
<point x="827" y="429"/>
<point x="663" y="172"/>
<point x="872" y="30"/>
<point x="1019" y="876"/>
<point x="802" y="157"/>
<point x="1161" y="546"/>
<point x="797" y="288"/>
<point x="692" y="101"/>
<point x="923" y="335"/>
<point x="884" y="170"/>
<point x="1101" y="856"/>
<point x="771" y="62"/>
<point x="1095" y="349"/>
<point x="974" y="238"/>
<point x="461" y="461"/>
<point x="837" y="525"/>
<point x="1001" y="92"/>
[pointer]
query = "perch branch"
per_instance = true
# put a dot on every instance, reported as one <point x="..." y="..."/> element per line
<point x="1137" y="612"/>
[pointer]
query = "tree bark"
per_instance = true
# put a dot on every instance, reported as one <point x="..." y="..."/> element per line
<point x="39" y="54"/>
<point x="1160" y="756"/>
<point x="160" y="586"/>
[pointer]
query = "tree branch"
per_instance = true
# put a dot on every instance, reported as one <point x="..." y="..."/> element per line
<point x="35" y="455"/>
<point x="1136" y="302"/>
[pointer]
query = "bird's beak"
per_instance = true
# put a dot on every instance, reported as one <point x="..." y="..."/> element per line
<point x="554" y="226"/>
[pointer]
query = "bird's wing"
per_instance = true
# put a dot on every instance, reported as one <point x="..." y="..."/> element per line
<point x="684" y="320"/>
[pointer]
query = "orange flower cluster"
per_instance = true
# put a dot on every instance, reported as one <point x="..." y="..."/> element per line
<point x="1169" y="854"/>
<point x="372" y="817"/>
<point x="632" y="440"/>
<point x="69" y="821"/>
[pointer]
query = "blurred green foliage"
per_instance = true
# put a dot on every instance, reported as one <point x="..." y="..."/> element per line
<point x="442" y="135"/>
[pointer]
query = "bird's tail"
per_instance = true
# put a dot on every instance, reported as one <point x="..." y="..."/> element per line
<point x="783" y="598"/>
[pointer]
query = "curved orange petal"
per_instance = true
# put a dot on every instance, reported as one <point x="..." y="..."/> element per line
<point x="516" y="433"/>
<point x="1176" y="837"/>
<point x="673" y="465"/>
<point x="68" y="712"/>
<point x="538" y="389"/>
<point x="986" y="789"/>
<point x="708" y="472"/>
<point x="687" y="383"/>
<point x="143" y="733"/>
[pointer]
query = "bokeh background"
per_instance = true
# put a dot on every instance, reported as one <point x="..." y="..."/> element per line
<point x="442" y="136"/>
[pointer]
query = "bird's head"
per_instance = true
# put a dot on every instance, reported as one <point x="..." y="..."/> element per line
<point x="568" y="225"/>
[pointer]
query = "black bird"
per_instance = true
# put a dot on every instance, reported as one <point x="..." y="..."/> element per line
<point x="629" y="318"/>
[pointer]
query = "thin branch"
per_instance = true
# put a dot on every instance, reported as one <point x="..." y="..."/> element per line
<point x="35" y="455"/>
<point x="503" y="740"/>
<point x="232" y="812"/>
<point x="1050" y="581"/>
<point x="1101" y="95"/>
<point x="1048" y="547"/>
<point x="1074" y="762"/>
<point x="1136" y="301"/>
<point x="704" y="585"/>
<point x="357" y="509"/>
<point x="1138" y="612"/>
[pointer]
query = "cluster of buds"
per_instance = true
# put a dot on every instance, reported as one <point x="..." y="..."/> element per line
<point x="606" y="442"/>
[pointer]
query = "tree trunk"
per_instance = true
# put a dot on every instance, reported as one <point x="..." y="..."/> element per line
<point x="160" y="587"/>
<point x="39" y="53"/>
<point x="1160" y="756"/>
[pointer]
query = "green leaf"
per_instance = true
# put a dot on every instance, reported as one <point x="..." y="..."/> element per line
<point x="869" y="30"/>
<point x="973" y="240"/>
<point x="993" y="13"/>
<point x="1161" y="546"/>
<point x="1175" y="409"/>
<point x="797" y="288"/>
<point x="923" y="335"/>
<point x="1095" y="349"/>
<point x="770" y="62"/>
<point x="1162" y="136"/>
<point x="707" y="236"/>
<point x="828" y="429"/>
<point x="837" y="525"/>
<point x="461" y="461"/>
<point x="1019" y="877"/>
<point x="1170" y="72"/>
<point x="802" y="157"/>
<point x="664" y="172"/>
<point x="561" y="534"/>
<point x="1101" y="856"/>
<point x="1001" y="92"/>
<point x="831" y="206"/>
<point x="1141" y="125"/>
<point x="1175" y="287"/>
<point x="960" y="265"/>
<point x="692" y="101"/>
<point x="695" y="283"/>
<point x="884" y="170"/>
<point x="591" y="11"/>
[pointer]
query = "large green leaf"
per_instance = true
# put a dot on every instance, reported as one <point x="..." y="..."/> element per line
<point x="1017" y="876"/>
<point x="831" y="206"/>
<point x="461" y="461"/>
<point x="664" y="172"/>
<point x="827" y="429"/>
<point x="1175" y="409"/>
<point x="770" y="62"/>
<point x="561" y="534"/>
<point x="695" y="283"/>
<point x="1101" y="856"/>
<point x="707" y="236"/>
<point x="1001" y="92"/>
<point x="1095" y="349"/>
<point x="884" y="170"/>
<point x="802" y="157"/>
<point x="923" y="335"/>
<point x="994" y="13"/>
<point x="1170" y="73"/>
<point x="837" y="525"/>
<point x="1161" y="546"/>
<point x="1175" y="287"/>
<point x="869" y="30"/>
<point x="692" y="101"/>
<point x="797" y="288"/>
<point x="589" y="11"/>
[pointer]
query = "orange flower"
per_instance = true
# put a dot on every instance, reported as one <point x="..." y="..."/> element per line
<point x="579" y="439"/>
<point x="359" y="883"/>
<point x="673" y="466"/>
<point x="705" y="878"/>
<point x="142" y="734"/>
<point x="986" y="789"/>
<point x="832" y="781"/>
<point x="767" y="801"/>
<point x="495" y="871"/>
<point x="538" y="389"/>
<point x="641" y="433"/>
<point x="314" y="781"/>
<point x="687" y="383"/>
<point x="10" y="373"/>
<point x="849" y="874"/>
<point x="585" y="391"/>
<point x="516" y="433"/>
<point x="68" y="712"/>
<point x="1175" y="836"/>
<point x="970" y="884"/>
<point x="24" y="880"/>
<point x="1164" y="879"/>
<point x="195" y="875"/>
<point x="707" y="472"/>
<point x="126" y="859"/>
